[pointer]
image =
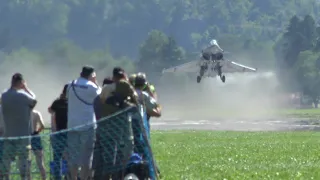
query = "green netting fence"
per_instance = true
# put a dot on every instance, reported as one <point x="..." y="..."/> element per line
<point x="120" y="144"/>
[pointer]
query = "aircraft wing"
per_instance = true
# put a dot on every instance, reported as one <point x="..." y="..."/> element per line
<point x="233" y="67"/>
<point x="186" y="67"/>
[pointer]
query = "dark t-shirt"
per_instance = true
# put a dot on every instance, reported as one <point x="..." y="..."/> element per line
<point x="60" y="108"/>
<point x="97" y="107"/>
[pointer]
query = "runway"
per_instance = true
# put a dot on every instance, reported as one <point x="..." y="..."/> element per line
<point x="271" y="124"/>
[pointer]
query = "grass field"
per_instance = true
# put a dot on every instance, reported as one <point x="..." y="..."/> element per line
<point x="313" y="113"/>
<point x="232" y="155"/>
<point x="308" y="113"/>
<point x="237" y="155"/>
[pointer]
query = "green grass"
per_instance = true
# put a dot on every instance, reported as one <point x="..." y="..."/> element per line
<point x="306" y="113"/>
<point x="34" y="168"/>
<point x="198" y="155"/>
<point x="237" y="155"/>
<point x="209" y="112"/>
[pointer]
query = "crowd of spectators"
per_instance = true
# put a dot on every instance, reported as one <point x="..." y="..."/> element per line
<point x="75" y="116"/>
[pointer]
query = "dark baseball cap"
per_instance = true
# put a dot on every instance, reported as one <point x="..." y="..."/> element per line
<point x="118" y="72"/>
<point x="17" y="77"/>
<point x="87" y="70"/>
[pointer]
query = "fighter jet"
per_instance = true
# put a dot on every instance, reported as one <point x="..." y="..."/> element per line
<point x="211" y="64"/>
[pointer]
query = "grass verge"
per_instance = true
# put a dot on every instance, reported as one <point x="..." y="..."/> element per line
<point x="229" y="155"/>
<point x="302" y="113"/>
<point x="207" y="113"/>
<point x="237" y="155"/>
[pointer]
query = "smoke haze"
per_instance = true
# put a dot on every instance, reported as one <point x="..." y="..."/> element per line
<point x="243" y="95"/>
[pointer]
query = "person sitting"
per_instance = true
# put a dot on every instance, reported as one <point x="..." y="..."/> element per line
<point x="213" y="51"/>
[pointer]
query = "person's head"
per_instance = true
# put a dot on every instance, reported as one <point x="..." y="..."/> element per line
<point x="17" y="81"/>
<point x="132" y="78"/>
<point x="118" y="74"/>
<point x="213" y="42"/>
<point x="64" y="91"/>
<point x="107" y="80"/>
<point x="141" y="81"/>
<point x="88" y="72"/>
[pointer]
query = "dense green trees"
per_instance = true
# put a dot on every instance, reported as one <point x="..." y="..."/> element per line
<point x="152" y="34"/>
<point x="158" y="52"/>
<point x="124" y="24"/>
<point x="300" y="58"/>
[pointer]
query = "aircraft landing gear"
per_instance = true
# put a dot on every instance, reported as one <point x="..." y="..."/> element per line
<point x="202" y="71"/>
<point x="218" y="68"/>
<point x="223" y="78"/>
<point x="198" y="79"/>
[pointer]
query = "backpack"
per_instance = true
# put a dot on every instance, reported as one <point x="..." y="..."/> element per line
<point x="138" y="167"/>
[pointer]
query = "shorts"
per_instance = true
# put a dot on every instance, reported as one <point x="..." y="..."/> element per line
<point x="80" y="145"/>
<point x="36" y="143"/>
<point x="13" y="148"/>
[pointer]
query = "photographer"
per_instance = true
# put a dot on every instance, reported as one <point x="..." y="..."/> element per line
<point x="149" y="104"/>
<point x="97" y="102"/>
<point x="116" y="94"/>
<point x="119" y="94"/>
<point x="17" y="104"/>
<point x="150" y="89"/>
<point x="81" y="94"/>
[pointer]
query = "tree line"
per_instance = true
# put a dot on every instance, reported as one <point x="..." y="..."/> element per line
<point x="150" y="35"/>
<point x="122" y="24"/>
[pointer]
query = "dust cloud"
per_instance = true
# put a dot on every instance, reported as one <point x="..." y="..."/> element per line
<point x="243" y="95"/>
<point x="46" y="81"/>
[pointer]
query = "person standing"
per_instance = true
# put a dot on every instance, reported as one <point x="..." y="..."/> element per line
<point x="116" y="95"/>
<point x="36" y="144"/>
<point x="17" y="104"/>
<point x="97" y="102"/>
<point x="59" y="121"/>
<point x="82" y="121"/>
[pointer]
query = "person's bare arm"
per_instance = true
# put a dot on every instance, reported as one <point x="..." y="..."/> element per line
<point x="30" y="97"/>
<point x="153" y="94"/>
<point x="30" y="92"/>
<point x="50" y="110"/>
<point x="153" y="108"/>
<point x="133" y="94"/>
<point x="155" y="112"/>
<point x="41" y="123"/>
<point x="27" y="90"/>
<point x="151" y="91"/>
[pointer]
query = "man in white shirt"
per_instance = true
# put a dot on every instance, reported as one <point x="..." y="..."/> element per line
<point x="82" y="119"/>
